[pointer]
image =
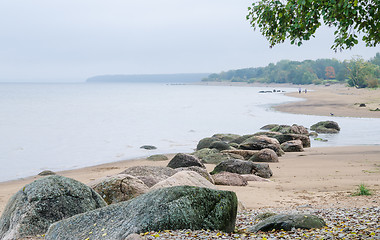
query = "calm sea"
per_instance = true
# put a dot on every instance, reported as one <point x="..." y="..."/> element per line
<point x="67" y="126"/>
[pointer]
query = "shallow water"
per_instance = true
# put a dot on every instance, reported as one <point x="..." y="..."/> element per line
<point x="66" y="126"/>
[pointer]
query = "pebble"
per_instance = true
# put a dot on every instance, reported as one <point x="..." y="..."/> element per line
<point x="342" y="223"/>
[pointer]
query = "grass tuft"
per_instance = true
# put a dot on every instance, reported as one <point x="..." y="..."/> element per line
<point x="362" y="191"/>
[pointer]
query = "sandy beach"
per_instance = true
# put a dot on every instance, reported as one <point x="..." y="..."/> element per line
<point x="320" y="177"/>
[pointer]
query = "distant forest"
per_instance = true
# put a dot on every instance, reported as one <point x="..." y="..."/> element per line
<point x="356" y="72"/>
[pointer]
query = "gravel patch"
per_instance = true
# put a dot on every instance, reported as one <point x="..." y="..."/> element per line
<point x="342" y="223"/>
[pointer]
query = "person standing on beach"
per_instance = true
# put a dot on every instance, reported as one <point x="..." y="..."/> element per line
<point x="305" y="90"/>
<point x="299" y="90"/>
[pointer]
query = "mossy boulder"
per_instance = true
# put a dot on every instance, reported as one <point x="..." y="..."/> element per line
<point x="213" y="156"/>
<point x="326" y="127"/>
<point x="37" y="205"/>
<point x="206" y="142"/>
<point x="150" y="175"/>
<point x="261" y="142"/>
<point x="269" y="126"/>
<point x="220" y="145"/>
<point x="185" y="160"/>
<point x="157" y="158"/>
<point x="181" y="207"/>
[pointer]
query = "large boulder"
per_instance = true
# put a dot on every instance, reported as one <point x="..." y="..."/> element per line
<point x="118" y="188"/>
<point x="37" y="205"/>
<point x="150" y="175"/>
<point x="206" y="142"/>
<point x="214" y="156"/>
<point x="226" y="137"/>
<point x="201" y="171"/>
<point x="185" y="160"/>
<point x="261" y="142"/>
<point x="243" y="167"/>
<point x="326" y="127"/>
<point x="264" y="155"/>
<point x="229" y="179"/>
<point x="173" y="208"/>
<point x="288" y="221"/>
<point x="184" y="178"/>
<point x="292" y="146"/>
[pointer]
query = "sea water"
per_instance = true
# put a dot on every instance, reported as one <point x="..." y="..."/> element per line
<point x="67" y="126"/>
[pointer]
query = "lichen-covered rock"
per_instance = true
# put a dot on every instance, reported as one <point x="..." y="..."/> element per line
<point x="171" y="208"/>
<point x="261" y="142"/>
<point x="185" y="160"/>
<point x="150" y="175"/>
<point x="47" y="200"/>
<point x="118" y="188"/>
<point x="206" y="142"/>
<point x="243" y="167"/>
<point x="214" y="156"/>
<point x="201" y="171"/>
<point x="157" y="157"/>
<point x="226" y="137"/>
<point x="288" y="221"/>
<point x="229" y="179"/>
<point x="264" y="155"/>
<point x="326" y="127"/>
<point x="292" y="146"/>
<point x="184" y="178"/>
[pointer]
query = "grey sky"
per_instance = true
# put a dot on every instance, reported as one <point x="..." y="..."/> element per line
<point x="67" y="40"/>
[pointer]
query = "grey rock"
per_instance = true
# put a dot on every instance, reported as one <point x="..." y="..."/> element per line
<point x="220" y="145"/>
<point x="241" y="139"/>
<point x="326" y="127"/>
<point x="289" y="137"/>
<point x="226" y="137"/>
<point x="264" y="155"/>
<point x="285" y="129"/>
<point x="287" y="222"/>
<point x="150" y="175"/>
<point x="292" y="146"/>
<point x="46" y="173"/>
<point x="119" y="188"/>
<point x="246" y="154"/>
<point x="185" y="160"/>
<point x="229" y="179"/>
<point x="254" y="178"/>
<point x="206" y="142"/>
<point x="201" y="171"/>
<point x="243" y="167"/>
<point x="269" y="126"/>
<point x="148" y="147"/>
<point x="261" y="142"/>
<point x="213" y="156"/>
<point x="184" y="178"/>
<point x="171" y="208"/>
<point x="47" y="200"/>
<point x="157" y="158"/>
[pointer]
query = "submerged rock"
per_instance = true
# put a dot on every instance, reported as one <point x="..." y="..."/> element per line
<point x="47" y="200"/>
<point x="171" y="208"/>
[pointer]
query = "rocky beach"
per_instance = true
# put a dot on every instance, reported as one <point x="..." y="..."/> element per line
<point x="302" y="180"/>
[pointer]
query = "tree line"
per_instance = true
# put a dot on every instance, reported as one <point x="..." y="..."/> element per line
<point x="357" y="72"/>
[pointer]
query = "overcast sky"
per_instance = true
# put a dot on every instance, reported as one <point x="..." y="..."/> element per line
<point x="71" y="40"/>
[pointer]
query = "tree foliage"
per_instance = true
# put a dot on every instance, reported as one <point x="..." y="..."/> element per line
<point x="298" y="20"/>
<point x="362" y="73"/>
